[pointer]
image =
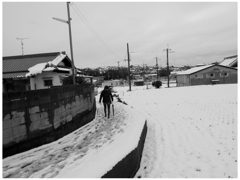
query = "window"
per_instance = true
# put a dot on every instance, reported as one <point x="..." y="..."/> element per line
<point x="48" y="82"/>
<point x="224" y="74"/>
<point x="211" y="75"/>
<point x="198" y="76"/>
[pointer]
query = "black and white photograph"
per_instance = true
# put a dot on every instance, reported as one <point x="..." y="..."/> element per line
<point x="119" y="89"/>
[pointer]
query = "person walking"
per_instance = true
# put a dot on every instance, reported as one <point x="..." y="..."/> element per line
<point x="107" y="98"/>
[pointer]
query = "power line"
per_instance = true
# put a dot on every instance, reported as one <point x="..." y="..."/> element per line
<point x="92" y="30"/>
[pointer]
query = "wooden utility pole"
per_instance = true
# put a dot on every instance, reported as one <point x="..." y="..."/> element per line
<point x="129" y="79"/>
<point x="167" y="69"/>
<point x="157" y="67"/>
<point x="70" y="39"/>
<point x="168" y="51"/>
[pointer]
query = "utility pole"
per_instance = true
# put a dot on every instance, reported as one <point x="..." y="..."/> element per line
<point x="157" y="67"/>
<point x="129" y="79"/>
<point x="21" y="39"/>
<point x="118" y="71"/>
<point x="168" y="51"/>
<point x="70" y="39"/>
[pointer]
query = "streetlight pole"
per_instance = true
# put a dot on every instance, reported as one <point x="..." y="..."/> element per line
<point x="70" y="39"/>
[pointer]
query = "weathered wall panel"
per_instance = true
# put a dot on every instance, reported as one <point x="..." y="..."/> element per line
<point x="37" y="115"/>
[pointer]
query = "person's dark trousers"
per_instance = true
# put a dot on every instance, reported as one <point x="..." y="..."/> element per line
<point x="106" y="106"/>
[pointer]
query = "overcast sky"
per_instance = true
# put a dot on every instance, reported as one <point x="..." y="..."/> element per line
<point x="200" y="32"/>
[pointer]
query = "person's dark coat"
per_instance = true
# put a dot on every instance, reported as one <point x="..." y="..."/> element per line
<point x="106" y="96"/>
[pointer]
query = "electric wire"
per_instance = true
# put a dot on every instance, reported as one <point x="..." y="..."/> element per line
<point x="92" y="30"/>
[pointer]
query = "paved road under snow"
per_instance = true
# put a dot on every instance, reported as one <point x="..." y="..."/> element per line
<point x="192" y="131"/>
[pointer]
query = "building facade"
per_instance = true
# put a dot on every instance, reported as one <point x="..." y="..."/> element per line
<point x="35" y="71"/>
<point x="205" y="75"/>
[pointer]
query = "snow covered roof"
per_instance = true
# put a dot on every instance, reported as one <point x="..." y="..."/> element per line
<point x="24" y="62"/>
<point x="229" y="61"/>
<point x="193" y="70"/>
<point x="17" y="66"/>
<point x="200" y="64"/>
<point x="47" y="66"/>
<point x="57" y="60"/>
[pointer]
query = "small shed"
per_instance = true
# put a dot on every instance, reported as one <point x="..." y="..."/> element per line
<point x="209" y="74"/>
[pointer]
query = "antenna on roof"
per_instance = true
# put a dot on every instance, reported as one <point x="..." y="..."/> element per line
<point x="22" y="43"/>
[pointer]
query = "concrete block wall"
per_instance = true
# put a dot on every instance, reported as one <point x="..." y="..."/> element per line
<point x="44" y="115"/>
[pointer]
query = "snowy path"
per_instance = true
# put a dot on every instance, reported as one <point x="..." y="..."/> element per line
<point x="194" y="128"/>
<point x="49" y="160"/>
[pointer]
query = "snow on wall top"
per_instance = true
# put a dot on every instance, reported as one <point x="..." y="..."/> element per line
<point x="193" y="70"/>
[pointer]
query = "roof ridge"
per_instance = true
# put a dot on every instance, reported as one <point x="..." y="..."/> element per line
<point x="33" y="55"/>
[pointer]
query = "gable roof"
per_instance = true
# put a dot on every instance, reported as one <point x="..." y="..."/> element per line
<point x="193" y="70"/>
<point x="17" y="66"/>
<point x="197" y="69"/>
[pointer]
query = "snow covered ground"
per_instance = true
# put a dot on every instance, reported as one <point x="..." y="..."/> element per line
<point x="90" y="151"/>
<point x="192" y="132"/>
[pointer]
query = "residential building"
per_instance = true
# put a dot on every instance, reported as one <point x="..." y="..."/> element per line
<point x="208" y="74"/>
<point x="112" y="83"/>
<point x="36" y="71"/>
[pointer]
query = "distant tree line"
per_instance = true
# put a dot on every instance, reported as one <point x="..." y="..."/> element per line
<point x="121" y="73"/>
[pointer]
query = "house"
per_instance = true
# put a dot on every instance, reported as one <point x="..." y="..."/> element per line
<point x="231" y="61"/>
<point x="36" y="71"/>
<point x="113" y="83"/>
<point x="208" y="74"/>
<point x="150" y="77"/>
<point x="138" y="80"/>
<point x="98" y="80"/>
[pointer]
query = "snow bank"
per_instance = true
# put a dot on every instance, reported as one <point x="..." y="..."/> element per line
<point x="97" y="163"/>
<point x="90" y="151"/>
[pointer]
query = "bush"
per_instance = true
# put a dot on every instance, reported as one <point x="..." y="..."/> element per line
<point x="157" y="84"/>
